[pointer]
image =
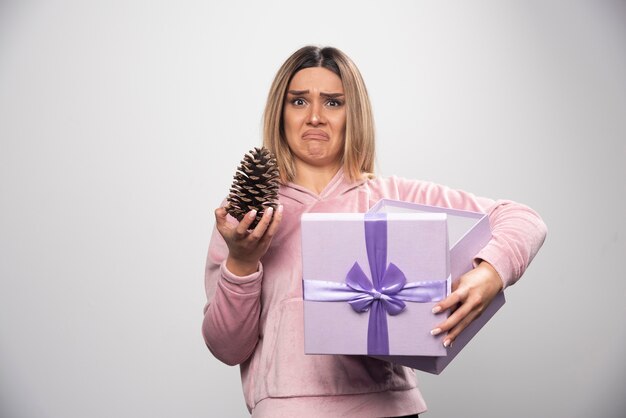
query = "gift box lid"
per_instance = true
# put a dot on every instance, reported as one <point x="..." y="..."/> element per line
<point x="468" y="232"/>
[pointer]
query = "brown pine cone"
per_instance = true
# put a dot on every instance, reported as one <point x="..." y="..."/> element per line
<point x="255" y="185"/>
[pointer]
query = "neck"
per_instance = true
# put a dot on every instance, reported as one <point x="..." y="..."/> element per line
<point x="314" y="178"/>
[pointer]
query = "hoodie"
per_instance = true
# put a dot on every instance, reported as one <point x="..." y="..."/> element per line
<point x="256" y="321"/>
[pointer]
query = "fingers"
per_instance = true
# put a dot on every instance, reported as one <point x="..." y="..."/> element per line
<point x="265" y="229"/>
<point x="278" y="216"/>
<point x="467" y="309"/>
<point x="453" y="299"/>
<point x="244" y="224"/>
<point x="460" y="326"/>
<point x="220" y="214"/>
<point x="247" y="246"/>
<point x="261" y="227"/>
<point x="220" y="220"/>
<point x="474" y="291"/>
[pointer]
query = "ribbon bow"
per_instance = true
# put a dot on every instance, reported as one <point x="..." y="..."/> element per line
<point x="392" y="282"/>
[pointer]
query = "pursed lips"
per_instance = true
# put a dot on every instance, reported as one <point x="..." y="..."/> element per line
<point x="315" y="134"/>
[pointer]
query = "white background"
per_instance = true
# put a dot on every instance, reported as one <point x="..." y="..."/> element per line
<point x="121" y="123"/>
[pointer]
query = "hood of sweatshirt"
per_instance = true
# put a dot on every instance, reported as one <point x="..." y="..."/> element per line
<point x="338" y="185"/>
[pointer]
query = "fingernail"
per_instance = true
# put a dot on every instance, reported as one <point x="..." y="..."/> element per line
<point x="435" y="331"/>
<point x="252" y="213"/>
<point x="280" y="208"/>
<point x="447" y="343"/>
<point x="270" y="210"/>
<point x="436" y="309"/>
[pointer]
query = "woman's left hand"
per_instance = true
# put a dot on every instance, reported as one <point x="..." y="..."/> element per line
<point x="470" y="296"/>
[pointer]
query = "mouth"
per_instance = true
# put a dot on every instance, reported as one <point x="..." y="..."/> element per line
<point x="315" y="134"/>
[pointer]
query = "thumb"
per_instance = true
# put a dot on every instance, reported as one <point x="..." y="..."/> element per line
<point x="220" y="215"/>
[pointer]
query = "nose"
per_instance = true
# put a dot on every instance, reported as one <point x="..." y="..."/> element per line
<point x="316" y="114"/>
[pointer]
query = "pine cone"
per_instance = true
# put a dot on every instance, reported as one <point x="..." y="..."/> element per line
<point x="255" y="185"/>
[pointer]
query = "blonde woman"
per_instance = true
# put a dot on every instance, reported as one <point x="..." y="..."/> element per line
<point x="318" y="122"/>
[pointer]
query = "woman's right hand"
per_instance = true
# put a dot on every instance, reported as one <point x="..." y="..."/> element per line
<point x="246" y="247"/>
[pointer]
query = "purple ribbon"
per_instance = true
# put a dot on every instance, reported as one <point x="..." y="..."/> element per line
<point x="384" y="294"/>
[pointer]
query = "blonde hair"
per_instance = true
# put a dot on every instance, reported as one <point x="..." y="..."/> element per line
<point x="359" y="147"/>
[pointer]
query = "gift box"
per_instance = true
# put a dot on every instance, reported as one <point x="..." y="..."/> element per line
<point x="468" y="233"/>
<point x="371" y="280"/>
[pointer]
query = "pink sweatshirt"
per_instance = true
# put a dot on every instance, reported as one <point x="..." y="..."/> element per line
<point x="256" y="321"/>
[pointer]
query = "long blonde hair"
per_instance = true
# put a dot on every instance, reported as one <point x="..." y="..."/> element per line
<point x="359" y="147"/>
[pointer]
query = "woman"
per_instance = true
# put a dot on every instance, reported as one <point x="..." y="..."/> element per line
<point x="318" y="122"/>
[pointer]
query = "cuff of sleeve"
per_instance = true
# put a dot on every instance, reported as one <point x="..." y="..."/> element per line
<point x="500" y="263"/>
<point x="250" y="283"/>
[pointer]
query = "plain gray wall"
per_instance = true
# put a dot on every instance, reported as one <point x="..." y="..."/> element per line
<point x="121" y="123"/>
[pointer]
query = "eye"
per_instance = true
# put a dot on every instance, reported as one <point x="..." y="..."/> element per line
<point x="334" y="103"/>
<point x="298" y="101"/>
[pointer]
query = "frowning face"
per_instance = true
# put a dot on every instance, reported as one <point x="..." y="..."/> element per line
<point x="314" y="118"/>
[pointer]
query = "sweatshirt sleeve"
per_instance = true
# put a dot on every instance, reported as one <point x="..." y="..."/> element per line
<point x="231" y="315"/>
<point x="518" y="232"/>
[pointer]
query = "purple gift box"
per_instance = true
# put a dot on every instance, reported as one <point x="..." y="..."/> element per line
<point x="371" y="280"/>
<point x="468" y="233"/>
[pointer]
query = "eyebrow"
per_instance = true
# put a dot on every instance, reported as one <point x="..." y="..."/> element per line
<point x="302" y="92"/>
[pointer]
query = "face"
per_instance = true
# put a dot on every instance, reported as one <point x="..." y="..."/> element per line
<point x="314" y="118"/>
